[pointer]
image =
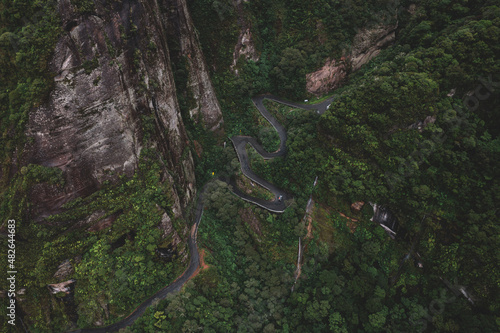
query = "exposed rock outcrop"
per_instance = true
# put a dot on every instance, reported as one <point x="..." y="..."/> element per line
<point x="206" y="103"/>
<point x="329" y="77"/>
<point x="64" y="287"/>
<point x="64" y="270"/>
<point x="168" y="230"/>
<point x="102" y="223"/>
<point x="421" y="125"/>
<point x="244" y="47"/>
<point x="113" y="68"/>
<point x="386" y="219"/>
<point x="366" y="45"/>
<point x="357" y="206"/>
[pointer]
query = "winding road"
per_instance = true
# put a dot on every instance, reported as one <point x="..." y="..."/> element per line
<point x="240" y="142"/>
<point x="277" y="205"/>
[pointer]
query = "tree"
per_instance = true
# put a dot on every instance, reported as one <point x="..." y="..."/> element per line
<point x="337" y="323"/>
<point x="289" y="75"/>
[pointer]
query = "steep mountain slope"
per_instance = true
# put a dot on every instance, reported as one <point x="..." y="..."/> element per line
<point x="112" y="70"/>
<point x="111" y="134"/>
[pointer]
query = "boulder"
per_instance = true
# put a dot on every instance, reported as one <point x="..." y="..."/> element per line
<point x="357" y="206"/>
<point x="64" y="270"/>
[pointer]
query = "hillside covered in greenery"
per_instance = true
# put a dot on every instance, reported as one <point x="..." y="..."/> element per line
<point x="415" y="130"/>
<point x="439" y="177"/>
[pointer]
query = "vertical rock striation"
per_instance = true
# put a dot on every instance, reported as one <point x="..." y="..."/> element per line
<point x="206" y="104"/>
<point x="367" y="44"/>
<point x="113" y="69"/>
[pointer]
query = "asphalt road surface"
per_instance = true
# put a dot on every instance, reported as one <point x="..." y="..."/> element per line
<point x="277" y="206"/>
<point x="240" y="143"/>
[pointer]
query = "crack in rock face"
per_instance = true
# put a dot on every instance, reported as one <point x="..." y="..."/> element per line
<point x="107" y="78"/>
<point x="367" y="44"/>
<point x="244" y="47"/>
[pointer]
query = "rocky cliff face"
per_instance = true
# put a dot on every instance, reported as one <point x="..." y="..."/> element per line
<point x="181" y="26"/>
<point x="245" y="46"/>
<point x="113" y="69"/>
<point x="366" y="45"/>
<point x="369" y="42"/>
<point x="329" y="77"/>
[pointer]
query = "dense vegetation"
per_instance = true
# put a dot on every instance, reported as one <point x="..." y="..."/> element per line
<point x="438" y="177"/>
<point x="120" y="266"/>
<point x="416" y="129"/>
<point x="28" y="32"/>
<point x="448" y="171"/>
